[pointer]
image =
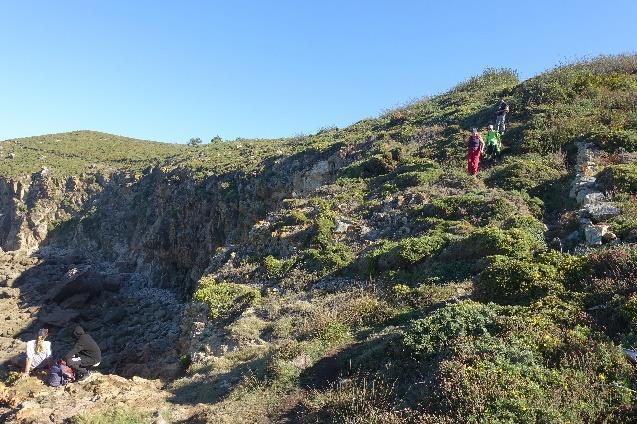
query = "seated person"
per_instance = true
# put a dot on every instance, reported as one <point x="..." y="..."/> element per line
<point x="38" y="354"/>
<point x="85" y="353"/>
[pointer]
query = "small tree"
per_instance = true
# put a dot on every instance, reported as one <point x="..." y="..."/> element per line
<point x="195" y="141"/>
<point x="216" y="139"/>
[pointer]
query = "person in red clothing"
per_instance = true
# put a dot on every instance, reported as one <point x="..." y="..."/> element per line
<point x="475" y="146"/>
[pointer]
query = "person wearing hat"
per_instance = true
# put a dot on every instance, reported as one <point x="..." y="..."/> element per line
<point x="38" y="355"/>
<point x="475" y="147"/>
<point x="493" y="143"/>
<point x="85" y="353"/>
<point x="500" y="116"/>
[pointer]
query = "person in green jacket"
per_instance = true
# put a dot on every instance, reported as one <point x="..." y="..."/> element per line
<point x="493" y="143"/>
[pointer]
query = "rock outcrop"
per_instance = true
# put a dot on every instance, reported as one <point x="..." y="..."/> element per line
<point x="595" y="209"/>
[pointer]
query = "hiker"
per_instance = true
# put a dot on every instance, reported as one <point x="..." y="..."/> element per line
<point x="85" y="353"/>
<point x="500" y="116"/>
<point x="38" y="353"/>
<point x="493" y="143"/>
<point x="475" y="146"/>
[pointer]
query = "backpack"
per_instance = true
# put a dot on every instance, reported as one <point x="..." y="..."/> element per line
<point x="59" y="375"/>
<point x="474" y="142"/>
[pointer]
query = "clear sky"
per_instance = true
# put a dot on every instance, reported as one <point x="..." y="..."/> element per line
<point x="171" y="70"/>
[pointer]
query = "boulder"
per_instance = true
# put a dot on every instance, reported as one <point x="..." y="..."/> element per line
<point x="59" y="317"/>
<point x="602" y="211"/>
<point x="594" y="234"/>
<point x="590" y="197"/>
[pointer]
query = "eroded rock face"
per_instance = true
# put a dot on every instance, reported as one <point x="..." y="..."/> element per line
<point x="124" y="261"/>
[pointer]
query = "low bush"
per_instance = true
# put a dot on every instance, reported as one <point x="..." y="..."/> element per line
<point x="522" y="280"/>
<point x="479" y="209"/>
<point x="615" y="139"/>
<point x="404" y="253"/>
<point x="331" y="259"/>
<point x="324" y="226"/>
<point x="524" y="172"/>
<point x="429" y="335"/>
<point x="501" y="389"/>
<point x="276" y="267"/>
<point x="224" y="297"/>
<point x="619" y="178"/>
<point x="513" y="242"/>
<point x="121" y="415"/>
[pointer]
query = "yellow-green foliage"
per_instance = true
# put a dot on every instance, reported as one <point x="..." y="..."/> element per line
<point x="477" y="208"/>
<point x="118" y="415"/>
<point x="524" y="172"/>
<point x="276" y="267"/>
<point x="619" y="178"/>
<point x="513" y="242"/>
<point x="404" y="253"/>
<point x="513" y="281"/>
<point x="223" y="297"/>
<point x="324" y="226"/>
<point x="332" y="258"/>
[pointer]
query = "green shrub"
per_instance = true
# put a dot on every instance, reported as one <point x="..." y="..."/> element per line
<point x="296" y="217"/>
<point x="523" y="172"/>
<point x="330" y="259"/>
<point x="116" y="415"/>
<point x="324" y="226"/>
<point x="404" y="253"/>
<point x="513" y="242"/>
<point x="423" y="296"/>
<point x="476" y="208"/>
<point x="414" y="179"/>
<point x="429" y="335"/>
<point x="507" y="390"/>
<point x="276" y="267"/>
<point x="224" y="297"/>
<point x="334" y="333"/>
<point x="522" y="280"/>
<point x="615" y="139"/>
<point x="619" y="178"/>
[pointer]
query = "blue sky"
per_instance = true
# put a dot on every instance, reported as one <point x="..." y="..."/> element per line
<point x="171" y="70"/>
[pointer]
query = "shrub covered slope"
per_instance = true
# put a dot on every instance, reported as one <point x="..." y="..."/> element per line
<point x="405" y="290"/>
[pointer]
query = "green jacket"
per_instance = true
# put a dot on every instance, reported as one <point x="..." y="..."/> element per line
<point x="493" y="137"/>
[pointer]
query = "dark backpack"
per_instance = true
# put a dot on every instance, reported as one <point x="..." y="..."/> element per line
<point x="59" y="375"/>
<point x="474" y="142"/>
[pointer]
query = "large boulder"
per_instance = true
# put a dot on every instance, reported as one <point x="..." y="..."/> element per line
<point x="603" y="211"/>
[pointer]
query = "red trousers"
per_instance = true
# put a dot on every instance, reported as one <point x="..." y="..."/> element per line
<point x="473" y="160"/>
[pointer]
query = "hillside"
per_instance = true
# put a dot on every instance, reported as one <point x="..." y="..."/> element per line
<point x="354" y="275"/>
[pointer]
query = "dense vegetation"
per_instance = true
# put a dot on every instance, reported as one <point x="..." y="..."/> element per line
<point x="407" y="291"/>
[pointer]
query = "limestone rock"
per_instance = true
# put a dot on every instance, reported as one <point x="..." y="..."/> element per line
<point x="602" y="211"/>
<point x="594" y="234"/>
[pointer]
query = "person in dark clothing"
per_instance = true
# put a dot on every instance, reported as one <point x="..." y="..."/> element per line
<point x="500" y="116"/>
<point x="85" y="353"/>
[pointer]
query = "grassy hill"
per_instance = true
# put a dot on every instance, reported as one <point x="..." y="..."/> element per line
<point x="406" y="290"/>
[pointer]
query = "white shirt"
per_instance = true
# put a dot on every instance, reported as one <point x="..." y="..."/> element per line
<point x="38" y="358"/>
